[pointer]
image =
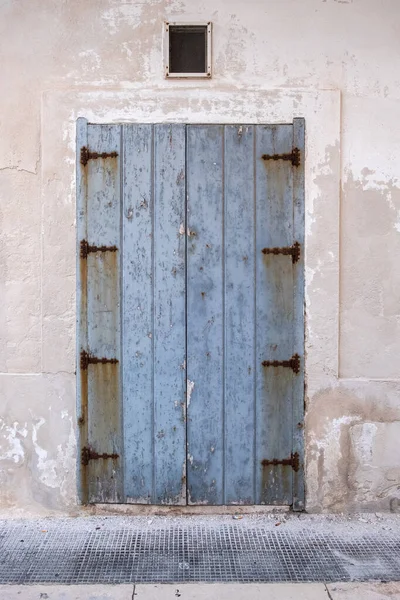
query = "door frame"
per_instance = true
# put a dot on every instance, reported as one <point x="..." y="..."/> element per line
<point x="322" y="111"/>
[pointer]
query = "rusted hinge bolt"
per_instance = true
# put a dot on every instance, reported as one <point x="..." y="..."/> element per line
<point x="86" y="155"/>
<point x="87" y="359"/>
<point x="86" y="248"/>
<point x="293" y="363"/>
<point x="293" y="157"/>
<point x="293" y="251"/>
<point x="293" y="461"/>
<point x="87" y="454"/>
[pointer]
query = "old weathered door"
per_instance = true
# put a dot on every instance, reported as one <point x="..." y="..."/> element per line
<point x="190" y="304"/>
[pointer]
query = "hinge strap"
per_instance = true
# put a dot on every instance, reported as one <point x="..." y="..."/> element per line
<point x="293" y="363"/>
<point x="293" y="461"/>
<point x="87" y="155"/>
<point x="88" y="454"/>
<point x="293" y="251"/>
<point x="89" y="359"/>
<point x="293" y="157"/>
<point x="86" y="248"/>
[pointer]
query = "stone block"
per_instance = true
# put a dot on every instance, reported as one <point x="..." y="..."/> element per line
<point x="374" y="465"/>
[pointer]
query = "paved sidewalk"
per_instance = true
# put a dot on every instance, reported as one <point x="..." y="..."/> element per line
<point x="277" y="591"/>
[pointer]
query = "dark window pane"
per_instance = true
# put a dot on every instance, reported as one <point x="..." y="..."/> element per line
<point x="187" y="49"/>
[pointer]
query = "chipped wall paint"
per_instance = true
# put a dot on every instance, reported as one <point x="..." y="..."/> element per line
<point x="189" y="388"/>
<point x="329" y="61"/>
<point x="11" y="445"/>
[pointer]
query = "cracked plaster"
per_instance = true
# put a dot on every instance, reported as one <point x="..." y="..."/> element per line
<point x="272" y="61"/>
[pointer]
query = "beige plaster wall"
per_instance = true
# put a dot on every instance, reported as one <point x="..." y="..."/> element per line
<point x="336" y="62"/>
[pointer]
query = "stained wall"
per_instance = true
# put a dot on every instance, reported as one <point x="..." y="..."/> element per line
<point x="336" y="62"/>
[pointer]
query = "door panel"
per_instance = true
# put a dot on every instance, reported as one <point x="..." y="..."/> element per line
<point x="274" y="314"/>
<point x="169" y="315"/>
<point x="137" y="310"/>
<point x="154" y="314"/>
<point x="239" y="311"/>
<point x="205" y="332"/>
<point x="189" y="307"/>
<point x="220" y="314"/>
<point x="298" y="500"/>
<point x="100" y="272"/>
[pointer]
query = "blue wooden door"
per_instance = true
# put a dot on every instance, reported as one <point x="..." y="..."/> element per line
<point x="190" y="301"/>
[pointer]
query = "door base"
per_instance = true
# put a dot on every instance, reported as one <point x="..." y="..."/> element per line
<point x="150" y="510"/>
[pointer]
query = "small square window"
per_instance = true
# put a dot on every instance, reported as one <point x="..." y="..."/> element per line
<point x="187" y="49"/>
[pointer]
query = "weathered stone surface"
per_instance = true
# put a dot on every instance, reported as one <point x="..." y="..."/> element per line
<point x="37" y="444"/>
<point x="66" y="592"/>
<point x="227" y="591"/>
<point x="364" y="591"/>
<point x="374" y="469"/>
<point x="103" y="60"/>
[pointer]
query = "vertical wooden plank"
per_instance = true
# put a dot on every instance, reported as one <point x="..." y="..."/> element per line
<point x="205" y="335"/>
<point x="298" y="281"/>
<point x="239" y="298"/>
<point x="274" y="314"/>
<point x="103" y="302"/>
<point x="169" y="314"/>
<point x="138" y="311"/>
<point x="81" y="307"/>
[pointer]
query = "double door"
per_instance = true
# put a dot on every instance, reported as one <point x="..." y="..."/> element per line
<point x="190" y="313"/>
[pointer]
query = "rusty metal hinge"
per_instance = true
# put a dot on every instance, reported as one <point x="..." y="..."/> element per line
<point x="88" y="454"/>
<point x="86" y="248"/>
<point x="293" y="156"/>
<point x="293" y="363"/>
<point x="293" y="461"/>
<point x="87" y="155"/>
<point x="88" y="359"/>
<point x="293" y="251"/>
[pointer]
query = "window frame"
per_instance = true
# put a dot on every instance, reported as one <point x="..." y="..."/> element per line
<point x="206" y="74"/>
